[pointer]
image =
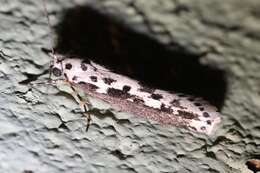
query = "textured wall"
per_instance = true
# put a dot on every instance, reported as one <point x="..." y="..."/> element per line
<point x="211" y="47"/>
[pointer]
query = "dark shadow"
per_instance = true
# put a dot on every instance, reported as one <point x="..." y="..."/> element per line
<point x="86" y="33"/>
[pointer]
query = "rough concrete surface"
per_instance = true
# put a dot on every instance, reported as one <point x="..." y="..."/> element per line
<point x="212" y="47"/>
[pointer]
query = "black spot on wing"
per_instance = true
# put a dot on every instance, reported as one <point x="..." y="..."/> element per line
<point x="68" y="66"/>
<point x="92" y="87"/>
<point x="201" y="108"/>
<point x="93" y="78"/>
<point x="176" y="103"/>
<point x="208" y="122"/>
<point x="187" y="115"/>
<point x="75" y="78"/>
<point x="88" y="86"/>
<point x="156" y="96"/>
<point x="118" y="93"/>
<point x="108" y="80"/>
<point x="56" y="72"/>
<point x="165" y="109"/>
<point x="206" y="114"/>
<point x="197" y="104"/>
<point x="138" y="101"/>
<point x="203" y="128"/>
<point x="82" y="82"/>
<point x="83" y="65"/>
<point x="126" y="88"/>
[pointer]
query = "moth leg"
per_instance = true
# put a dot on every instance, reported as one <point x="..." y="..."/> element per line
<point x="87" y="115"/>
<point x="83" y="103"/>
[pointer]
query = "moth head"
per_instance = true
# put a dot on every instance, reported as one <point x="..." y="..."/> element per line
<point x="56" y="65"/>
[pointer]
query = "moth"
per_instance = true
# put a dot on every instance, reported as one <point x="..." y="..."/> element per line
<point x="132" y="96"/>
<point x="129" y="95"/>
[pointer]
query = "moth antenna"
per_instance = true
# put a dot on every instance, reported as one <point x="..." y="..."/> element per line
<point x="49" y="24"/>
<point x="44" y="82"/>
<point x="50" y="31"/>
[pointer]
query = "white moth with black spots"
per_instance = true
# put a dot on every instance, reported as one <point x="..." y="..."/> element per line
<point x="131" y="96"/>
